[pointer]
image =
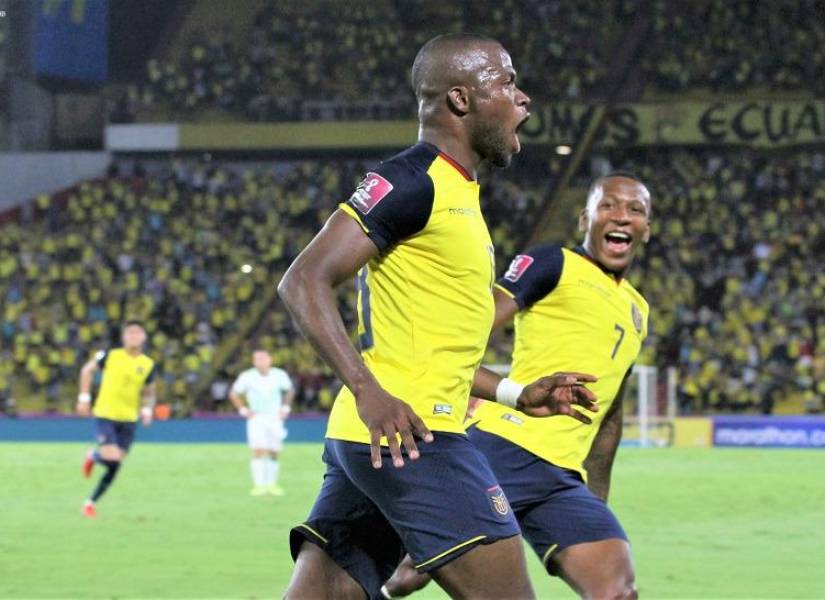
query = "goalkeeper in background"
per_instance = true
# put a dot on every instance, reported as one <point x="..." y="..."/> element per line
<point x="127" y="390"/>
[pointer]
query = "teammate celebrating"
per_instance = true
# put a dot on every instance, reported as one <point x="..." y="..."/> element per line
<point x="414" y="232"/>
<point x="269" y="394"/>
<point x="573" y="308"/>
<point x="126" y="389"/>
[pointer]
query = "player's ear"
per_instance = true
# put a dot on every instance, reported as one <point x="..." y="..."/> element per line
<point x="646" y="236"/>
<point x="458" y="100"/>
<point x="583" y="221"/>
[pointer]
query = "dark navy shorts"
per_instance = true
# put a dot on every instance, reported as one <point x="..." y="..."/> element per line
<point x="436" y="508"/>
<point x="120" y="433"/>
<point x="554" y="506"/>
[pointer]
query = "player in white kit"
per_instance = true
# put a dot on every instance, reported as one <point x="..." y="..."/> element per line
<point x="263" y="396"/>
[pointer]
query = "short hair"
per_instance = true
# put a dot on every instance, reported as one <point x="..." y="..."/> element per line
<point x="420" y="68"/>
<point x="132" y="322"/>
<point x="591" y="191"/>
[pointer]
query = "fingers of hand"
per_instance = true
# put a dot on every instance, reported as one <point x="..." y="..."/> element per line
<point x="375" y="448"/>
<point x="391" y="431"/>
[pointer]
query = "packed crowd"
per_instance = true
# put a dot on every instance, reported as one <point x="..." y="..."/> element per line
<point x="333" y="60"/>
<point x="188" y="247"/>
<point x="733" y="275"/>
<point x="734" y="45"/>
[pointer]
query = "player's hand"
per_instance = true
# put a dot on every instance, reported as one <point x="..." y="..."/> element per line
<point x="84" y="409"/>
<point x="146" y="416"/>
<point x="557" y="395"/>
<point x="386" y="415"/>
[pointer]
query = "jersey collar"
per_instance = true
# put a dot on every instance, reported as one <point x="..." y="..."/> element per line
<point x="583" y="253"/>
<point x="453" y="162"/>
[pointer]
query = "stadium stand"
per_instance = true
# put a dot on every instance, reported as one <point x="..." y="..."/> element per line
<point x="735" y="45"/>
<point x="332" y="63"/>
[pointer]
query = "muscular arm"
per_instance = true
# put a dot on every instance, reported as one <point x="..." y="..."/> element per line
<point x="308" y="291"/>
<point x="599" y="462"/>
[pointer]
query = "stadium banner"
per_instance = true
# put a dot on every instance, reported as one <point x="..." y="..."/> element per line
<point x="769" y="432"/>
<point x="758" y="123"/>
<point x="692" y="432"/>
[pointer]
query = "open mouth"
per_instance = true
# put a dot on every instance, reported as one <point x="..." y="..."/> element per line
<point x="522" y="122"/>
<point x="618" y="241"/>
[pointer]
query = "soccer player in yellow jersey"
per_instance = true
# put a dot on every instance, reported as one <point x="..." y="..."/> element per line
<point x="127" y="390"/>
<point x="573" y="308"/>
<point x="414" y="233"/>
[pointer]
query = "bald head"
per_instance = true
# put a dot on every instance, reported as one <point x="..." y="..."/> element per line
<point x="453" y="59"/>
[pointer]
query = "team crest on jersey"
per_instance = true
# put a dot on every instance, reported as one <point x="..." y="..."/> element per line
<point x="372" y="189"/>
<point x="637" y="317"/>
<point x="517" y="267"/>
<point x="140" y="370"/>
<point x="498" y="501"/>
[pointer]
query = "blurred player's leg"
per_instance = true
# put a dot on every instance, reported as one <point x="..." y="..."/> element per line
<point x="602" y="569"/>
<point x="110" y="456"/>
<point x="258" y="467"/>
<point x="318" y="577"/>
<point x="274" y="445"/>
<point x="494" y="571"/>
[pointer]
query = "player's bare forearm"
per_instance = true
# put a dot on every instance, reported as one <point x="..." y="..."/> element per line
<point x="308" y="291"/>
<point x="236" y="401"/>
<point x="599" y="461"/>
<point x="485" y="383"/>
<point x="86" y="374"/>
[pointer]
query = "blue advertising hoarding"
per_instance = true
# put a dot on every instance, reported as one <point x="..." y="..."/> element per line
<point x="769" y="432"/>
<point x="70" y="40"/>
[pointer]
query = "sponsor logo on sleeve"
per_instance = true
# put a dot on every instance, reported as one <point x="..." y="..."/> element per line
<point x="517" y="268"/>
<point x="372" y="189"/>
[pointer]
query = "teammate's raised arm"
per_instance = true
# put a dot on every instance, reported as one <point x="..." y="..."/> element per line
<point x="339" y="250"/>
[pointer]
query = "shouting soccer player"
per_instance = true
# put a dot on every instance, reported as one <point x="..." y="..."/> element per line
<point x="573" y="308"/>
<point x="414" y="233"/>
<point x="126" y="389"/>
<point x="268" y="392"/>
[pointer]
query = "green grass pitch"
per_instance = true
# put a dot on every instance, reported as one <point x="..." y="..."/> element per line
<point x="178" y="523"/>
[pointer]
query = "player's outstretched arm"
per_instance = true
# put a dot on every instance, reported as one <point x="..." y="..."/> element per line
<point x="599" y="461"/>
<point x="308" y="291"/>
<point x="548" y="396"/>
<point x="84" y="397"/>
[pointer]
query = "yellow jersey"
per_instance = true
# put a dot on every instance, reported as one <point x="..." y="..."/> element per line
<point x="123" y="379"/>
<point x="574" y="316"/>
<point x="425" y="303"/>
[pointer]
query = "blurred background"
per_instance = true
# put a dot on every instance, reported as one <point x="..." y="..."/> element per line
<point x="167" y="160"/>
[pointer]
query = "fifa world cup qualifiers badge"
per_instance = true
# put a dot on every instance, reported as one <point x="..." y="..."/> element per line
<point x="370" y="192"/>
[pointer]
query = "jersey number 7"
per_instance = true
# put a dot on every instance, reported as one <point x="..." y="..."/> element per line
<point x="620" y="329"/>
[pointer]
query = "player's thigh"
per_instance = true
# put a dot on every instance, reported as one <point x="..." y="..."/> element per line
<point x="494" y="571"/>
<point x="256" y="435"/>
<point x="350" y="529"/>
<point x="318" y="577"/>
<point x="602" y="569"/>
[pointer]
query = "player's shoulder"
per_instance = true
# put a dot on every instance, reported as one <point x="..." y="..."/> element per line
<point x="637" y="296"/>
<point x="401" y="176"/>
<point x="541" y="259"/>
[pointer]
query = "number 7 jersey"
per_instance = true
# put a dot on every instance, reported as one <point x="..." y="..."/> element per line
<point x="573" y="316"/>
<point x="425" y="303"/>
